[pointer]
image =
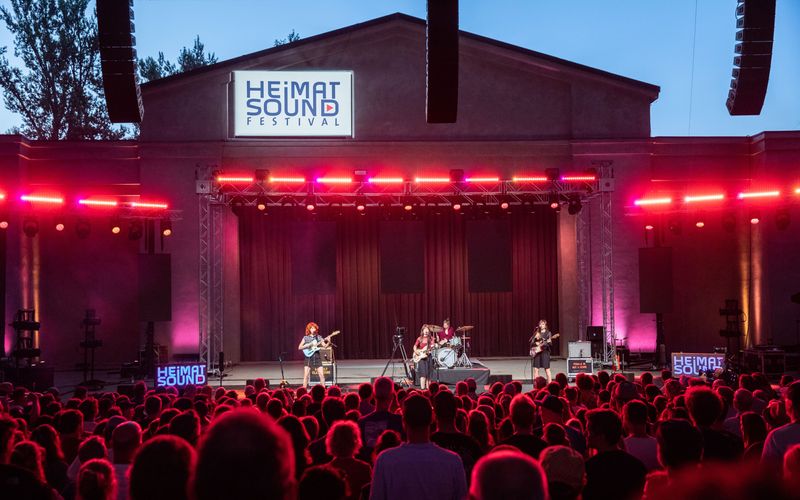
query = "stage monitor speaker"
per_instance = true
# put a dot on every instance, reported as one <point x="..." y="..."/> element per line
<point x="115" y="30"/>
<point x="655" y="280"/>
<point x="755" y="22"/>
<point x="441" y="99"/>
<point x="155" y="287"/>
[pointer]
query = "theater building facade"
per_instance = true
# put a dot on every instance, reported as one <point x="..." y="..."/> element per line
<point x="520" y="113"/>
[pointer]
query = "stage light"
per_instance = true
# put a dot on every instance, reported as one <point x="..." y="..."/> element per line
<point x="148" y="204"/>
<point x="3" y="223"/>
<point x="759" y="194"/>
<point x="30" y="226"/>
<point x="116" y="227"/>
<point x="385" y="180"/>
<point x="755" y="217"/>
<point x="782" y="219"/>
<point x="310" y="204"/>
<point x="432" y="180"/>
<point x="407" y="205"/>
<point x="83" y="228"/>
<point x="59" y="226"/>
<point x="503" y="201"/>
<point x="334" y="180"/>
<point x="361" y="203"/>
<point x="98" y="203"/>
<point x="553" y="201"/>
<point x="652" y="201"/>
<point x="529" y="178"/>
<point x="703" y="197"/>
<point x="755" y="220"/>
<point x="287" y="180"/>
<point x="578" y="178"/>
<point x="166" y="227"/>
<point x="35" y="198"/>
<point x="648" y="227"/>
<point x="574" y="205"/>
<point x="729" y="222"/>
<point x="2" y="196"/>
<point x="700" y="224"/>
<point x="234" y="179"/>
<point x="261" y="203"/>
<point x="483" y="179"/>
<point x="674" y="226"/>
<point x="135" y="230"/>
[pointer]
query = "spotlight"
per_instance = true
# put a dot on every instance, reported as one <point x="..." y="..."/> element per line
<point x="135" y="230"/>
<point x="574" y="207"/>
<point x="755" y="217"/>
<point x="782" y="219"/>
<point x="361" y="203"/>
<point x="648" y="227"/>
<point x="59" y="226"/>
<point x="166" y="227"/>
<point x="503" y="200"/>
<point x="116" y="227"/>
<point x="30" y="226"/>
<point x="755" y="220"/>
<point x="83" y="228"/>
<point x="700" y="224"/>
<point x="3" y="223"/>
<point x="310" y="204"/>
<point x="553" y="201"/>
<point x="729" y="222"/>
<point x="261" y="203"/>
<point x="456" y="205"/>
<point x="408" y="206"/>
<point x="674" y="226"/>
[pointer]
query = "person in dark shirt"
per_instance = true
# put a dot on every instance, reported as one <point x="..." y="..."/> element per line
<point x="611" y="473"/>
<point x="523" y="412"/>
<point x="373" y="425"/>
<point x="552" y="410"/>
<point x="448" y="437"/>
<point x="705" y="409"/>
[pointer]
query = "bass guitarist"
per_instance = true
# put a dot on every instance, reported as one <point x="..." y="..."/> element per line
<point x="312" y="341"/>
<point x="540" y="343"/>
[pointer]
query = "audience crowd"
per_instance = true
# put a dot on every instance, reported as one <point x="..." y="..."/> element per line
<point x="605" y="437"/>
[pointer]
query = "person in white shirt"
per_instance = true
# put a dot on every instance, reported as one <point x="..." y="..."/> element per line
<point x="418" y="469"/>
<point x="781" y="439"/>
<point x="638" y="442"/>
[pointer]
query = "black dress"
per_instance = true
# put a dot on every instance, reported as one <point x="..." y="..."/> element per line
<point x="542" y="360"/>
<point x="313" y="361"/>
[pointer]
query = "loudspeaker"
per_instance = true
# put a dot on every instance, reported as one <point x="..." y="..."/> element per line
<point x="221" y="361"/>
<point x="655" y="280"/>
<point x="595" y="333"/>
<point x="499" y="378"/>
<point x="441" y="99"/>
<point x="155" y="287"/>
<point x="755" y="21"/>
<point x="115" y="30"/>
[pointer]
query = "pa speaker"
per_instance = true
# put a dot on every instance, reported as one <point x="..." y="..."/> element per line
<point x="441" y="100"/>
<point x="655" y="280"/>
<point x="755" y="22"/>
<point x="155" y="287"/>
<point x="115" y="30"/>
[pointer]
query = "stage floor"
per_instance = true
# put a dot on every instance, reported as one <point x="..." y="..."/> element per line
<point x="350" y="372"/>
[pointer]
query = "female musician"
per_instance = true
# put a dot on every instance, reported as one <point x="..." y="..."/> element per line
<point x="542" y="337"/>
<point x="312" y="339"/>
<point x="424" y="347"/>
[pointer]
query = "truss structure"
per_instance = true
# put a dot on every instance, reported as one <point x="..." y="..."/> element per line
<point x="216" y="197"/>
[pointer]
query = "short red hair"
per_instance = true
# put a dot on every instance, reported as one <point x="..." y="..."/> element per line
<point x="310" y="325"/>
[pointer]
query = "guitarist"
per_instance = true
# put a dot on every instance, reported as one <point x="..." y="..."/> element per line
<point x="422" y="356"/>
<point x="313" y="339"/>
<point x="543" y="338"/>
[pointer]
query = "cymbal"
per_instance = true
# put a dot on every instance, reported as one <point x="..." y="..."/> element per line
<point x="465" y="328"/>
<point x="435" y="328"/>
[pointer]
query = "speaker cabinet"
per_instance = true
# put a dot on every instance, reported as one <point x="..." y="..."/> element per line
<point x="115" y="30"/>
<point x="655" y="280"/>
<point x="441" y="103"/>
<point x="755" y="23"/>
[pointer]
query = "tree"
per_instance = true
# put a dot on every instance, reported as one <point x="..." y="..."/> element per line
<point x="188" y="59"/>
<point x="58" y="94"/>
<point x="292" y="37"/>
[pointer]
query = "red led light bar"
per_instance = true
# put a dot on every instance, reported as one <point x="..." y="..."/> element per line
<point x="652" y="201"/>
<point x="578" y="178"/>
<point x="539" y="178"/>
<point x="759" y="194"/>
<point x="432" y="180"/>
<point x="35" y="198"/>
<point x="287" y="180"/>
<point x="234" y="179"/>
<point x="704" y="197"/>
<point x="385" y="180"/>
<point x="98" y="203"/>
<point x="148" y="204"/>
<point x="334" y="180"/>
<point x="483" y="179"/>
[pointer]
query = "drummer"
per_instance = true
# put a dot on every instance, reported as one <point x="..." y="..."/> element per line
<point x="447" y="333"/>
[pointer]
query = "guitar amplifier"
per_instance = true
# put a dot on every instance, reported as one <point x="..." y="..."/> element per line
<point x="581" y="349"/>
<point x="326" y="355"/>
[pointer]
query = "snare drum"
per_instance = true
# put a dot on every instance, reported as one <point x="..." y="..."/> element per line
<point x="446" y="357"/>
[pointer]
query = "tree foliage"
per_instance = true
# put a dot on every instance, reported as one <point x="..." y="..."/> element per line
<point x="58" y="92"/>
<point x="292" y="37"/>
<point x="188" y="59"/>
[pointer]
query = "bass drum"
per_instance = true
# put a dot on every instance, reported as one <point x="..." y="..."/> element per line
<point x="446" y="357"/>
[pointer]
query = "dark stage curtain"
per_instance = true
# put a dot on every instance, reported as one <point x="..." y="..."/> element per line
<point x="274" y="314"/>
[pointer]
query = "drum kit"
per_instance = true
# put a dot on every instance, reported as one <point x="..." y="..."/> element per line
<point x="452" y="353"/>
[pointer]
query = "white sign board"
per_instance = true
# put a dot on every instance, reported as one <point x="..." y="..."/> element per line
<point x="293" y="103"/>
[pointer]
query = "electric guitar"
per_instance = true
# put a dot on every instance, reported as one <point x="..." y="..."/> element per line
<point x="539" y="346"/>
<point x="316" y="346"/>
<point x="419" y="354"/>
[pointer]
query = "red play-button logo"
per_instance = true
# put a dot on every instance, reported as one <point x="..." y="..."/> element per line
<point x="328" y="107"/>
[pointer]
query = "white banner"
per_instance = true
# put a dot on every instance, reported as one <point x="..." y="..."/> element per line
<point x="293" y="103"/>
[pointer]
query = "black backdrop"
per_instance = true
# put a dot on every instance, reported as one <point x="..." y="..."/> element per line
<point x="345" y="272"/>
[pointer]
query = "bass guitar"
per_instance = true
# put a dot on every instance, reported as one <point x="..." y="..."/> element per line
<point x="539" y="346"/>
<point x="316" y="346"/>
